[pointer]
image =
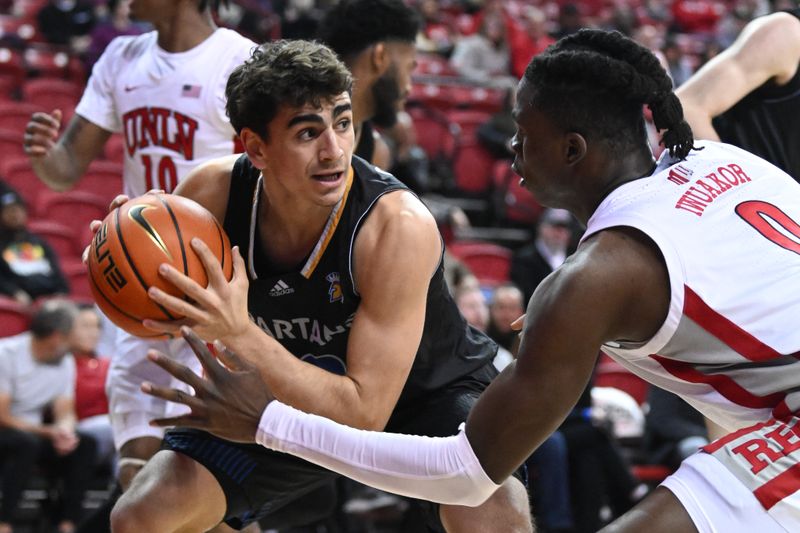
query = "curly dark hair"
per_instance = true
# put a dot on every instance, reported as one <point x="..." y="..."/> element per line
<point x="596" y="82"/>
<point x="285" y="72"/>
<point x="352" y="25"/>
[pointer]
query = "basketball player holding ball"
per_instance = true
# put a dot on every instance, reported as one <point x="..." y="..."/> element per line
<point x="164" y="91"/>
<point x="338" y="294"/>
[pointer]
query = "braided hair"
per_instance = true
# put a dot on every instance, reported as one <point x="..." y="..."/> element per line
<point x="595" y="82"/>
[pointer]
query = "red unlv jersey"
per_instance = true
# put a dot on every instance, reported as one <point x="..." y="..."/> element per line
<point x="728" y="226"/>
<point x="170" y="107"/>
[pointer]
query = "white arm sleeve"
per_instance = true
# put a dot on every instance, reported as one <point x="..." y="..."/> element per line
<point x="443" y="470"/>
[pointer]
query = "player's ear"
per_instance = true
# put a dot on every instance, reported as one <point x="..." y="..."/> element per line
<point x="254" y="147"/>
<point x="379" y="58"/>
<point x="574" y="148"/>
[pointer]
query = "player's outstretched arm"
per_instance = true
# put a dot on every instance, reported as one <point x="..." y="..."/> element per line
<point x="596" y="296"/>
<point x="756" y="57"/>
<point x="60" y="162"/>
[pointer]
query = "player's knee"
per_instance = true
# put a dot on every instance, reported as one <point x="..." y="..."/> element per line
<point x="130" y="515"/>
<point x="509" y="507"/>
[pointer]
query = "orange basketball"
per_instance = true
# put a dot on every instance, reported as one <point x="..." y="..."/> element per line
<point x="134" y="240"/>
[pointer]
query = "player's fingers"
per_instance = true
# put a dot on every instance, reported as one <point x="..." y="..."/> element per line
<point x="216" y="279"/>
<point x="230" y="359"/>
<point x="202" y="352"/>
<point x="155" y="191"/>
<point x="85" y="255"/>
<point x="171" y="328"/>
<point x="517" y="324"/>
<point x="117" y="201"/>
<point x="178" y="371"/>
<point x="46" y="119"/>
<point x="186" y="285"/>
<point x="239" y="268"/>
<point x="175" y="396"/>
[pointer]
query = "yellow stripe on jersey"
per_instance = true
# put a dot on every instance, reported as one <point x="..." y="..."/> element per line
<point x="330" y="228"/>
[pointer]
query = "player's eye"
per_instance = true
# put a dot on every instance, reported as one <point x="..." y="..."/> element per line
<point x="344" y="123"/>
<point x="307" y="134"/>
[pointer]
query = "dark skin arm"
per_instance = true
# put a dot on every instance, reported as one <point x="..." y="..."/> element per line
<point x="614" y="287"/>
<point x="59" y="163"/>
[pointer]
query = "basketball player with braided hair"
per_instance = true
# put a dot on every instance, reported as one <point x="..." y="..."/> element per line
<point x="687" y="274"/>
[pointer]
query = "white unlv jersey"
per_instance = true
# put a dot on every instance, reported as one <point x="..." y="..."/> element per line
<point x="169" y="107"/>
<point x="726" y="223"/>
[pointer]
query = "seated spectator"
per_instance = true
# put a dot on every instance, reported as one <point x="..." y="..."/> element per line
<point x="29" y="268"/>
<point x="116" y="24"/>
<point x="602" y="482"/>
<point x="68" y="23"/>
<point x="37" y="377"/>
<point x="484" y="57"/>
<point x="673" y="429"/>
<point x="507" y="305"/>
<point x="529" y="39"/>
<point x="91" y="403"/>
<point x="535" y="261"/>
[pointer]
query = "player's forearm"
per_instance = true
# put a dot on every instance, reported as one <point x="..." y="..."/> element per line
<point x="303" y="385"/>
<point x="442" y="470"/>
<point x="58" y="169"/>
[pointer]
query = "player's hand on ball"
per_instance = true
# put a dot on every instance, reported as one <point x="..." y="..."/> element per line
<point x="227" y="402"/>
<point x="218" y="311"/>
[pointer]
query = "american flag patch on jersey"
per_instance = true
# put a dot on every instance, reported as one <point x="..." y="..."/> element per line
<point x="191" y="91"/>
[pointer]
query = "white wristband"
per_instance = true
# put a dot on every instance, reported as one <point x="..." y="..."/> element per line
<point x="438" y="469"/>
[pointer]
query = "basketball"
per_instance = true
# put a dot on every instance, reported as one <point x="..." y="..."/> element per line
<point x="134" y="240"/>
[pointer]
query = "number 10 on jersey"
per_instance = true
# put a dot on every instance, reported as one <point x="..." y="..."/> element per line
<point x="161" y="173"/>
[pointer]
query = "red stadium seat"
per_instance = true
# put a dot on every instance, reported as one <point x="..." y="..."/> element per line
<point x="469" y="120"/>
<point x="12" y="70"/>
<point x="435" y="134"/>
<point x="433" y="65"/>
<point x="103" y="178"/>
<point x="15" y="116"/>
<point x="514" y="204"/>
<point x="78" y="279"/>
<point x="74" y="209"/>
<point x="17" y="172"/>
<point x="14" y="318"/>
<point x="52" y="93"/>
<point x="47" y="61"/>
<point x="431" y="95"/>
<point x="11" y="144"/>
<point x="114" y="149"/>
<point x="61" y="238"/>
<point x="472" y="168"/>
<point x="609" y="373"/>
<point x="489" y="262"/>
<point x="477" y="98"/>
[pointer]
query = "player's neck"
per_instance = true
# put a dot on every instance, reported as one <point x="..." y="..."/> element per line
<point x="290" y="230"/>
<point x="184" y="31"/>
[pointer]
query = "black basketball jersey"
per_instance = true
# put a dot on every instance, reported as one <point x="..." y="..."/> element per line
<point x="765" y="123"/>
<point x="310" y="309"/>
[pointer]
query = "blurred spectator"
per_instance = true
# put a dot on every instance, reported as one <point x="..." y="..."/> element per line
<point x="375" y="39"/>
<point x="507" y="305"/>
<point x="437" y="35"/>
<point x="495" y="134"/>
<point x="696" y="16"/>
<point x="484" y="57"/>
<point x="600" y="477"/>
<point x="570" y="20"/>
<point x="472" y="304"/>
<point x="29" y="268"/>
<point x="91" y="403"/>
<point x="37" y="379"/>
<point x="67" y="22"/>
<point x="118" y="22"/>
<point x="678" y="64"/>
<point x="674" y="430"/>
<point x="300" y="19"/>
<point x="535" y="261"/>
<point x="457" y="274"/>
<point x="529" y="40"/>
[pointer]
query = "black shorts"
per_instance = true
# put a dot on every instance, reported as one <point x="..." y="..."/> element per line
<point x="258" y="482"/>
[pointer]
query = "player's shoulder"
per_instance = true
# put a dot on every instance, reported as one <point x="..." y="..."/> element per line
<point x="128" y="47"/>
<point x="209" y="184"/>
<point x="233" y="41"/>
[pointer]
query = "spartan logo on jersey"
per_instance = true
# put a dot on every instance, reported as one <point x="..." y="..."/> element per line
<point x="335" y="291"/>
<point x="136" y="213"/>
<point x="280" y="289"/>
